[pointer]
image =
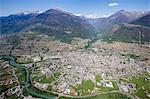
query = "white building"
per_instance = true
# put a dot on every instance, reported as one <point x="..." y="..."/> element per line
<point x="109" y="84"/>
<point x="124" y="88"/>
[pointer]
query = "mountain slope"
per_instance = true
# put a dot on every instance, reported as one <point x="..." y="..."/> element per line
<point x="14" y="23"/>
<point x="53" y="22"/>
<point x="123" y="16"/>
<point x="129" y="33"/>
<point x="145" y="20"/>
<point x="119" y="17"/>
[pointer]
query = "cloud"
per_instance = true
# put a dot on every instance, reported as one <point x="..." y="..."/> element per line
<point x="113" y="4"/>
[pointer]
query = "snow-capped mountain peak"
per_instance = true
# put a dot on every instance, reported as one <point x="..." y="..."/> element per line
<point x="93" y="16"/>
<point x="30" y="12"/>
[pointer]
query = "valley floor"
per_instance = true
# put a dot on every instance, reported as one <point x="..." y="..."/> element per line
<point x="104" y="70"/>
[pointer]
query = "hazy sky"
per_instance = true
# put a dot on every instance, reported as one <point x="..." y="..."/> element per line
<point x="84" y="7"/>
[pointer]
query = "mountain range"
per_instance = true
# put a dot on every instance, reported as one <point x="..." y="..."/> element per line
<point x="125" y="26"/>
<point x="122" y="25"/>
<point x="53" y="22"/>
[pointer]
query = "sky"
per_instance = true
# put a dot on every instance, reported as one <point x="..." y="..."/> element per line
<point x="79" y="7"/>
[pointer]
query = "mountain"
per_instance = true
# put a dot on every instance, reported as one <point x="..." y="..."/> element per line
<point x="123" y="16"/>
<point x="122" y="25"/>
<point x="144" y="20"/>
<point x="105" y="25"/>
<point x="14" y="23"/>
<point x="53" y="22"/>
<point x="129" y="33"/>
<point x="125" y="26"/>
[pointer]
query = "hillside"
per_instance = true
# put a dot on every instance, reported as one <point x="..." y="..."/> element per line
<point x="145" y="20"/>
<point x="122" y="25"/>
<point x="105" y="25"/>
<point x="53" y="22"/>
<point x="129" y="33"/>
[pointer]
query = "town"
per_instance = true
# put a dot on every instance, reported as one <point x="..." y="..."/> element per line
<point x="80" y="72"/>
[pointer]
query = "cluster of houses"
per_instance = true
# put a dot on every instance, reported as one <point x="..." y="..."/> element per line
<point x="13" y="90"/>
<point x="79" y="65"/>
<point x="127" y="87"/>
<point x="41" y="86"/>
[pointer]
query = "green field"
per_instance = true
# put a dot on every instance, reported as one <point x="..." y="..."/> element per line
<point x="20" y="74"/>
<point x="47" y="79"/>
<point x="98" y="78"/>
<point x="85" y="87"/>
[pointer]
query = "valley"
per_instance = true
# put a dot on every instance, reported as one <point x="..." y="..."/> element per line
<point x="56" y="54"/>
<point x="104" y="69"/>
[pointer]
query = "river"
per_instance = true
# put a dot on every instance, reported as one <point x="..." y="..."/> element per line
<point x="28" y="87"/>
